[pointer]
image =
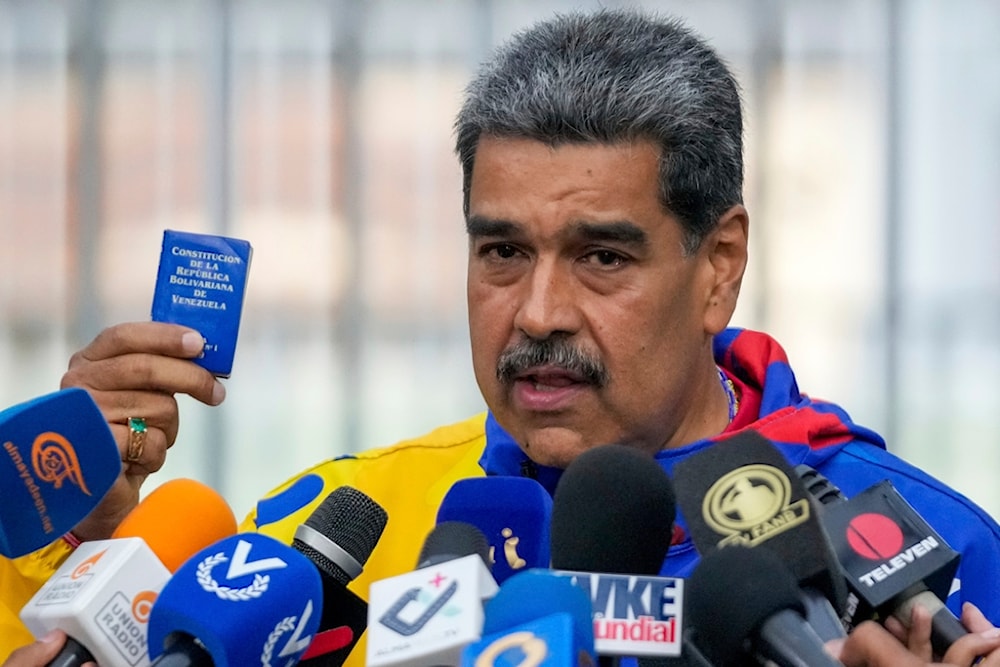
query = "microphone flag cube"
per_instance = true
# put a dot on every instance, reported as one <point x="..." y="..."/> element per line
<point x="429" y="614"/>
<point x="103" y="592"/>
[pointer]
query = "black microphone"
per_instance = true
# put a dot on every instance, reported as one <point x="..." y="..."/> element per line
<point x="890" y="557"/>
<point x="742" y="491"/>
<point x="613" y="511"/>
<point x="612" y="523"/>
<point x="338" y="537"/>
<point x="744" y="602"/>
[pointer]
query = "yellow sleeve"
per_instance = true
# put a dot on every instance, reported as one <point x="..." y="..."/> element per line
<point x="409" y="480"/>
<point x="20" y="578"/>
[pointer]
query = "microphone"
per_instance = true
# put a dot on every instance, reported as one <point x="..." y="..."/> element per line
<point x="612" y="523"/>
<point x="535" y="618"/>
<point x="59" y="460"/>
<point x="890" y="557"/>
<point x="102" y="594"/>
<point x="178" y="518"/>
<point x="742" y="491"/>
<point x="744" y="602"/>
<point x="246" y="600"/>
<point x="427" y="616"/>
<point x="514" y="513"/>
<point x="338" y="537"/>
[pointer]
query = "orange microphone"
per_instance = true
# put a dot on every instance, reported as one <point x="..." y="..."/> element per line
<point x="178" y="519"/>
<point x="103" y="593"/>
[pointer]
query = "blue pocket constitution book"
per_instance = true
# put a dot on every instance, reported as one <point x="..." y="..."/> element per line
<point x="200" y="283"/>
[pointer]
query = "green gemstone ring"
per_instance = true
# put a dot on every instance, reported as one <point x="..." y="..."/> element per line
<point x="136" y="438"/>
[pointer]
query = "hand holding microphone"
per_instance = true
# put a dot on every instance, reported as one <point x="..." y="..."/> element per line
<point x="40" y="653"/>
<point x="891" y="559"/>
<point x="871" y="645"/>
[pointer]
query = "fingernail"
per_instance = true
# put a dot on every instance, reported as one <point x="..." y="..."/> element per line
<point x="992" y="633"/>
<point x="192" y="342"/>
<point x="50" y="637"/>
<point x="218" y="393"/>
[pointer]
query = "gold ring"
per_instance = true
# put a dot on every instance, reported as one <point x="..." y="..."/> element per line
<point x="136" y="438"/>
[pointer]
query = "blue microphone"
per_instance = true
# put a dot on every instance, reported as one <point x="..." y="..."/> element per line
<point x="536" y="618"/>
<point x="59" y="459"/>
<point x="514" y="513"/>
<point x="246" y="600"/>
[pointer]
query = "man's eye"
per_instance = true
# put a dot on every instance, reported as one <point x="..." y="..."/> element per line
<point x="500" y="251"/>
<point x="606" y="258"/>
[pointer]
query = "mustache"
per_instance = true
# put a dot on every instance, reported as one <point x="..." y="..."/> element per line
<point x="552" y="351"/>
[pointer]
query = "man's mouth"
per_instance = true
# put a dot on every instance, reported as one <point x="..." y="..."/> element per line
<point x="547" y="389"/>
<point x="549" y="382"/>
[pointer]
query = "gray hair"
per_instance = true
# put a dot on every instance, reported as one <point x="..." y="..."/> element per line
<point x="613" y="76"/>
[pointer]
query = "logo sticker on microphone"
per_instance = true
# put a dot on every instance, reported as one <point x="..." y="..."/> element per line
<point x="54" y="460"/>
<point x="295" y="644"/>
<point x="510" y="542"/>
<point x="142" y="604"/>
<point x="432" y="602"/>
<point x="125" y="623"/>
<point x="750" y="505"/>
<point x="877" y="537"/>
<point x="238" y="567"/>
<point x="533" y="647"/>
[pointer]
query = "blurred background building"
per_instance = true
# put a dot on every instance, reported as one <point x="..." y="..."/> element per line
<point x="320" y="131"/>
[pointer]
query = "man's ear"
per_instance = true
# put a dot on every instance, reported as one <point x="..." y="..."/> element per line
<point x="724" y="251"/>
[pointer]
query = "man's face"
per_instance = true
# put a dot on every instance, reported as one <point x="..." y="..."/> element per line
<point x="580" y="293"/>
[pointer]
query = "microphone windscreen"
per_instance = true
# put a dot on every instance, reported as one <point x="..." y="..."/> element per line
<point x="536" y="617"/>
<point x="59" y="460"/>
<point x="178" y="518"/>
<point x="613" y="512"/>
<point x="742" y="490"/>
<point x="514" y="513"/>
<point x="353" y="522"/>
<point x="451" y="540"/>
<point x="533" y="594"/>
<point x="247" y="600"/>
<point x="732" y="592"/>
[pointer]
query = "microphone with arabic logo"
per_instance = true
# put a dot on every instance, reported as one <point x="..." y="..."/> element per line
<point x="59" y="460"/>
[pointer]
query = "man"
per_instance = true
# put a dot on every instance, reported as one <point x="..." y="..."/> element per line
<point x="602" y="181"/>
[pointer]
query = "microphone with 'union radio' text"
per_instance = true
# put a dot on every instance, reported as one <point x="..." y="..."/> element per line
<point x="102" y="594"/>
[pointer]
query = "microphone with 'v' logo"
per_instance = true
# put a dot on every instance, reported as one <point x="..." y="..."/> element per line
<point x="246" y="600"/>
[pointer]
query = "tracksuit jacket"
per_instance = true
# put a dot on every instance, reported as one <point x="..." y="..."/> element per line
<point x="410" y="479"/>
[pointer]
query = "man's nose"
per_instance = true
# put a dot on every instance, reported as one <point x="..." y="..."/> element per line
<point x="548" y="302"/>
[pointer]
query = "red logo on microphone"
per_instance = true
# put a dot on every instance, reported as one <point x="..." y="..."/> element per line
<point x="874" y="536"/>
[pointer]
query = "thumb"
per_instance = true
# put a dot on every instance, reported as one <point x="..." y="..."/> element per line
<point x="38" y="654"/>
